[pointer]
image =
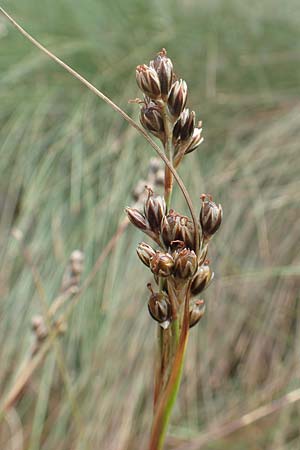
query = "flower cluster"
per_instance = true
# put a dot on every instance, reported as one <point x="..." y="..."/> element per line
<point x="165" y="95"/>
<point x="177" y="262"/>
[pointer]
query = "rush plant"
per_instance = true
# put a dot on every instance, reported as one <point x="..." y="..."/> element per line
<point x="179" y="263"/>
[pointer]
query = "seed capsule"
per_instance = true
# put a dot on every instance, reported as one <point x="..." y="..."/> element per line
<point x="162" y="264"/>
<point x="155" y="209"/>
<point x="164" y="69"/>
<point x="148" y="81"/>
<point x="197" y="310"/>
<point x="187" y="124"/>
<point x="184" y="127"/>
<point x="201" y="279"/>
<point x="151" y="119"/>
<point x="175" y="227"/>
<point x="185" y="264"/>
<point x="159" y="307"/>
<point x="177" y="98"/>
<point x="137" y="219"/>
<point x="196" y="140"/>
<point x="145" y="253"/>
<point x="211" y="216"/>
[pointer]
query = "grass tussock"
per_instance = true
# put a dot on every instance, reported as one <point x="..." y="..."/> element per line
<point x="68" y="165"/>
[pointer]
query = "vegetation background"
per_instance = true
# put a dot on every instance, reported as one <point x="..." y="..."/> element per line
<point x="68" y="165"/>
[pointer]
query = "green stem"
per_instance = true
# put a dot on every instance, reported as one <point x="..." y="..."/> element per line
<point x="168" y="397"/>
<point x="175" y="316"/>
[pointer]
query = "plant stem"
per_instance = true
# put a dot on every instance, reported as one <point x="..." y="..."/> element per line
<point x="168" y="342"/>
<point x="169" y="154"/>
<point x="168" y="397"/>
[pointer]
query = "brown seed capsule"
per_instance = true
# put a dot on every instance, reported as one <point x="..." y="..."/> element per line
<point x="155" y="209"/>
<point x="148" y="81"/>
<point x="197" y="310"/>
<point x="188" y="124"/>
<point x="177" y="98"/>
<point x="137" y="219"/>
<point x="162" y="264"/>
<point x="151" y="119"/>
<point x="201" y="279"/>
<point x="184" y="127"/>
<point x="210" y="216"/>
<point x="145" y="253"/>
<point x="185" y="264"/>
<point x="196" y="140"/>
<point x="177" y="228"/>
<point x="159" y="307"/>
<point x="164" y="69"/>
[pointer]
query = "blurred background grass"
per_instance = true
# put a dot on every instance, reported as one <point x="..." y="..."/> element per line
<point x="68" y="165"/>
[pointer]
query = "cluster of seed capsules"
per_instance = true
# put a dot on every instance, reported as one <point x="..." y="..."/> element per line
<point x="180" y="262"/>
<point x="165" y="94"/>
<point x="176" y="262"/>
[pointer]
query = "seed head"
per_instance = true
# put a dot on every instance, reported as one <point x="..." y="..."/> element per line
<point x="162" y="264"/>
<point x="211" y="216"/>
<point x="164" y="69"/>
<point x="177" y="98"/>
<point x="148" y="81"/>
<point x="185" y="264"/>
<point x="197" y="310"/>
<point x="145" y="253"/>
<point x="201" y="279"/>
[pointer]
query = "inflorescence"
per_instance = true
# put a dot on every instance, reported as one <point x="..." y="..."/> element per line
<point x="177" y="264"/>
